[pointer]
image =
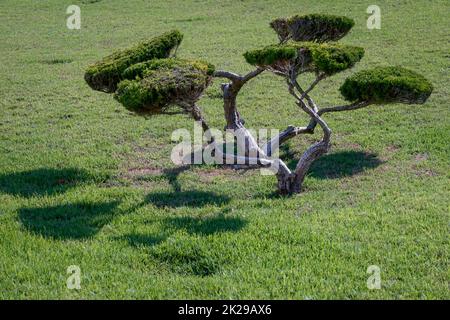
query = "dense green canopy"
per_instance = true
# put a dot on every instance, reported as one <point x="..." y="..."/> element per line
<point x="270" y="55"/>
<point x="139" y="69"/>
<point x="164" y="82"/>
<point x="387" y="85"/>
<point x="105" y="74"/>
<point x="312" y="27"/>
<point x="328" y="58"/>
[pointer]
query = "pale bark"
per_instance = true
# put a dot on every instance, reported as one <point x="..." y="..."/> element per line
<point x="353" y="106"/>
<point x="272" y="145"/>
<point x="233" y="119"/>
<point x="289" y="182"/>
<point x="235" y="123"/>
<point x="293" y="182"/>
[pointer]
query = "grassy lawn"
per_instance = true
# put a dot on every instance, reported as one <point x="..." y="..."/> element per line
<point x="84" y="182"/>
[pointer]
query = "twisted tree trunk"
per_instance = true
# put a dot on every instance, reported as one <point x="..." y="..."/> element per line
<point x="243" y="138"/>
<point x="289" y="182"/>
<point x="292" y="183"/>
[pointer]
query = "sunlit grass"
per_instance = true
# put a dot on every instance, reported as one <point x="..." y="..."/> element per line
<point x="83" y="182"/>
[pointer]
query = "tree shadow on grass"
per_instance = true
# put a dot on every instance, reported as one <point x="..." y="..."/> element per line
<point x="179" y="198"/>
<point x="70" y="221"/>
<point x="186" y="256"/>
<point x="172" y="176"/>
<point x="40" y="182"/>
<point x="198" y="225"/>
<point x="343" y="164"/>
<point x="141" y="240"/>
<point x="330" y="166"/>
<point x="192" y="198"/>
<point x="193" y="225"/>
<point x="206" y="226"/>
<point x="333" y="165"/>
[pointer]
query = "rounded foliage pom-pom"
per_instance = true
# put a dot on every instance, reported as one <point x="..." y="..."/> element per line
<point x="105" y="74"/>
<point x="327" y="58"/>
<point x="312" y="27"/>
<point x="163" y="83"/>
<point x="387" y="85"/>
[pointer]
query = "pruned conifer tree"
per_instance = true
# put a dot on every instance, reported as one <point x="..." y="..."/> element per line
<point x="148" y="79"/>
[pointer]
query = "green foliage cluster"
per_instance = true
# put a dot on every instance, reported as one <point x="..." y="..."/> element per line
<point x="328" y="58"/>
<point x="305" y="46"/>
<point x="139" y="69"/>
<point x="332" y="58"/>
<point x="145" y="80"/>
<point x="312" y="27"/>
<point x="308" y="48"/>
<point x="105" y="74"/>
<point x="281" y="27"/>
<point x="164" y="82"/>
<point x="270" y="55"/>
<point x="387" y="85"/>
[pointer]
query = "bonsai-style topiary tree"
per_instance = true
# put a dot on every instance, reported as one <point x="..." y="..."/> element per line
<point x="147" y="79"/>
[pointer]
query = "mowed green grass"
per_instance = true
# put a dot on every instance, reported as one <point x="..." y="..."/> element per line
<point x="84" y="182"/>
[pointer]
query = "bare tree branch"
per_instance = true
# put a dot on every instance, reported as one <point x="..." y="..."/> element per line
<point x="198" y="116"/>
<point x="252" y="74"/>
<point x="304" y="94"/>
<point x="234" y="77"/>
<point x="226" y="74"/>
<point x="246" y="162"/>
<point x="293" y="182"/>
<point x="352" y="106"/>
<point x="312" y="113"/>
<point x="271" y="146"/>
<point x="288" y="182"/>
